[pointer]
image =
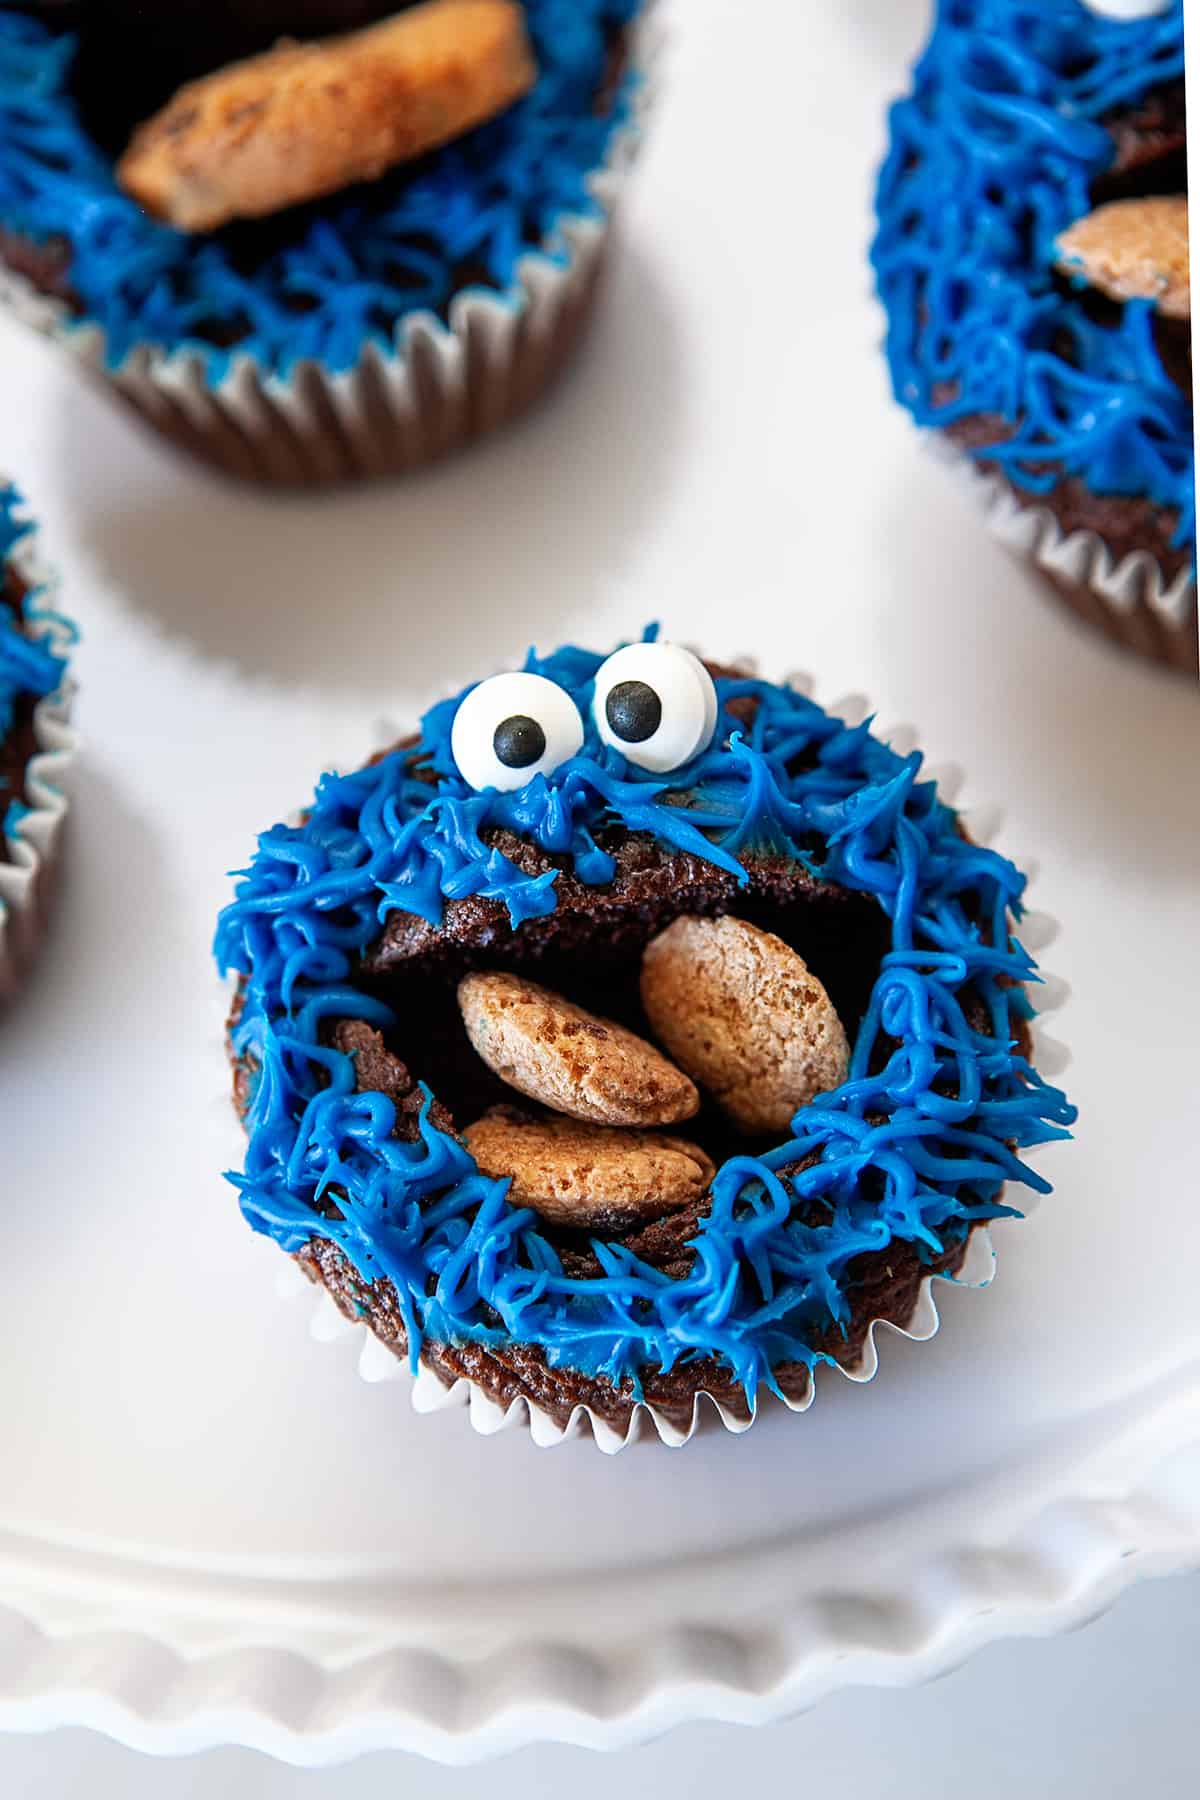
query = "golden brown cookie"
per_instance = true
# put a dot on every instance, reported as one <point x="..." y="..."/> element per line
<point x="739" y="1010"/>
<point x="589" y="1175"/>
<point x="569" y="1060"/>
<point x="1134" y="250"/>
<point x="304" y="120"/>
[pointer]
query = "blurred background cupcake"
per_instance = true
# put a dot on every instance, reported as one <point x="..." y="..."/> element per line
<point x="1032" y="256"/>
<point x="34" y="740"/>
<point x="361" y="235"/>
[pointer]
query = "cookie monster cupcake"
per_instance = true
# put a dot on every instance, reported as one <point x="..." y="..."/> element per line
<point x="34" y="741"/>
<point x="635" y="1031"/>
<point x="1032" y="258"/>
<point x="318" y="239"/>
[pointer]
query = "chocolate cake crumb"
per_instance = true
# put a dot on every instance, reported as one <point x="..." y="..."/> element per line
<point x="377" y="1071"/>
<point x="1150" y="145"/>
<point x="884" y="1286"/>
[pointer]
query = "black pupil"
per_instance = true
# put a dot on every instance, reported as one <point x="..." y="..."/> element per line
<point x="519" y="741"/>
<point x="634" y="711"/>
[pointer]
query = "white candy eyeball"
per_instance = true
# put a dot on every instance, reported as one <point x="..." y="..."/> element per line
<point x="513" y="727"/>
<point x="1126" y="9"/>
<point x="656" y="704"/>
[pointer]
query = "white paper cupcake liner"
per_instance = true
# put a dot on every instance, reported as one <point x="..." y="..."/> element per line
<point x="1135" y="603"/>
<point x="29" y="848"/>
<point x="436" y="388"/>
<point x="429" y="1393"/>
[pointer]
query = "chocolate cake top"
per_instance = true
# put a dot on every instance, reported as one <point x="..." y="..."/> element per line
<point x="1024" y="116"/>
<point x="912" y="1148"/>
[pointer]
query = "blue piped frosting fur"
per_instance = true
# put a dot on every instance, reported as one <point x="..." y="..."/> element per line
<point x="31" y="667"/>
<point x="356" y="265"/>
<point x="992" y="156"/>
<point x="913" y="1148"/>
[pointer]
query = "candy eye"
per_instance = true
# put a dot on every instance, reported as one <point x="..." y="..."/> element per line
<point x="656" y="704"/>
<point x="1126" y="9"/>
<point x="513" y="727"/>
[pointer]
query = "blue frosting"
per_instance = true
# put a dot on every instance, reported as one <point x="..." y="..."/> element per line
<point x="30" y="665"/>
<point x="992" y="156"/>
<point x="352" y="267"/>
<point x="913" y="1147"/>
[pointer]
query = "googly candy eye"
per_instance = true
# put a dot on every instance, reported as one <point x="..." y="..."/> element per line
<point x="513" y="727"/>
<point x="1125" y="9"/>
<point x="656" y="704"/>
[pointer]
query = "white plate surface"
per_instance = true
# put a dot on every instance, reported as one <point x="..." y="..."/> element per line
<point x="210" y="1529"/>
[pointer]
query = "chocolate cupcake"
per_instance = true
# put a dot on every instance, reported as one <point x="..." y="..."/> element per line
<point x="341" y="254"/>
<point x="636" y="1031"/>
<point x="35" y="743"/>
<point x="1032" y="258"/>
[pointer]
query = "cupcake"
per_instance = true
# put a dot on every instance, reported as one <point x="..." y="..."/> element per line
<point x="34" y="742"/>
<point x="319" y="240"/>
<point x="1032" y="259"/>
<point x="636" y="1031"/>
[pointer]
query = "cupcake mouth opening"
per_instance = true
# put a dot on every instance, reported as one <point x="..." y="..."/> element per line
<point x="118" y="79"/>
<point x="1151" y="148"/>
<point x="1150" y="163"/>
<point x="117" y="88"/>
<point x="589" y="951"/>
<point x="116" y="91"/>
<point x="1164" y="173"/>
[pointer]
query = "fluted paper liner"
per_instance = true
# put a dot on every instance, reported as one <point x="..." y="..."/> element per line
<point x="1131" y="601"/>
<point x="29" y="847"/>
<point x="436" y="388"/>
<point x="429" y="1393"/>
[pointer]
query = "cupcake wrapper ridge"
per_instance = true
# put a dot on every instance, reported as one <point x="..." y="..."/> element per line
<point x="29" y="853"/>
<point x="1130" y="601"/>
<point x="429" y="1394"/>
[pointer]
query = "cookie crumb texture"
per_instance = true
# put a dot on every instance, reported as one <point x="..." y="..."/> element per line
<point x="589" y="1176"/>
<point x="1134" y="250"/>
<point x="567" y="1058"/>
<point x="305" y="120"/>
<point x="739" y="1010"/>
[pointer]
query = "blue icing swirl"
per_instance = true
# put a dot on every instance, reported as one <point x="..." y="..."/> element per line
<point x="30" y="665"/>
<point x="913" y="1148"/>
<point x="992" y="156"/>
<point x="353" y="267"/>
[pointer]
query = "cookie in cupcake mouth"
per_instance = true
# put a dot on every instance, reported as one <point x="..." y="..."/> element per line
<point x="637" y="1028"/>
